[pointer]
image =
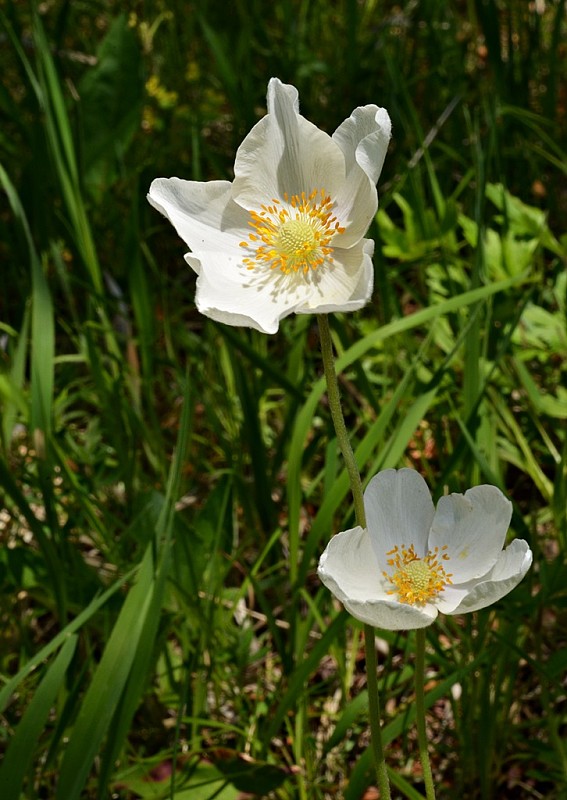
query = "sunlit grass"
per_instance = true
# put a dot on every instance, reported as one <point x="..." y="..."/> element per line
<point x="169" y="483"/>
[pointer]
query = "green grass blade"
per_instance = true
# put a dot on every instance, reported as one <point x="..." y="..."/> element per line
<point x="107" y="686"/>
<point x="60" y="138"/>
<point x="12" y="386"/>
<point x="301" y="673"/>
<point x="406" y="788"/>
<point x="60" y="639"/>
<point x="141" y="665"/>
<point x="21" y="749"/>
<point x="362" y="774"/>
<point x="42" y="358"/>
<point x="304" y="418"/>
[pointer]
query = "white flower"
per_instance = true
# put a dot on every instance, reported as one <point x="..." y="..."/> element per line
<point x="287" y="234"/>
<point x="415" y="560"/>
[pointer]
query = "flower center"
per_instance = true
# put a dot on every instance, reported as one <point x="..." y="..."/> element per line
<point x="293" y="235"/>
<point x="416" y="580"/>
<point x="296" y="236"/>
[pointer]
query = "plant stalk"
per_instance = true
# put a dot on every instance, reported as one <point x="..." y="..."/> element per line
<point x="333" y="394"/>
<point x="420" y="714"/>
<point x="374" y="713"/>
<point x="338" y="419"/>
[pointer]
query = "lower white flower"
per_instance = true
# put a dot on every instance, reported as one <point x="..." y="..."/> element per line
<point x="414" y="560"/>
<point x="287" y="235"/>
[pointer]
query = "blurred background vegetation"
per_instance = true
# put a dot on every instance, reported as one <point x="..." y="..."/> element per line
<point x="168" y="483"/>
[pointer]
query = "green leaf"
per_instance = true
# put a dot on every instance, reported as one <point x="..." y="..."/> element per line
<point x="107" y="686"/>
<point x="112" y="95"/>
<point x="18" y="757"/>
<point x="252" y="776"/>
<point x="206" y="782"/>
<point x="58" y="640"/>
<point x="42" y="327"/>
<point x="301" y="674"/>
<point x="523" y="220"/>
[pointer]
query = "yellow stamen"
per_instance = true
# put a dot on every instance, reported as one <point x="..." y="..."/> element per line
<point x="293" y="236"/>
<point x="417" y="580"/>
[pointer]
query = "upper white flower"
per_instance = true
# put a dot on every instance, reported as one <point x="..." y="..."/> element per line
<point x="287" y="234"/>
<point x="415" y="560"/>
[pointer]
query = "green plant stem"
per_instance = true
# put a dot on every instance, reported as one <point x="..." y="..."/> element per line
<point x="374" y="713"/>
<point x="358" y="500"/>
<point x="420" y="714"/>
<point x="339" y="420"/>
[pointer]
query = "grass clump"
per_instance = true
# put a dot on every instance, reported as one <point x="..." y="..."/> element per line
<point x="169" y="483"/>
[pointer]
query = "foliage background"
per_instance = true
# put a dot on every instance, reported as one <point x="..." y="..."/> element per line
<point x="169" y="483"/>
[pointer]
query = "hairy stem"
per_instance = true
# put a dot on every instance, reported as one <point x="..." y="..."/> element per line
<point x="420" y="714"/>
<point x="358" y="500"/>
<point x="339" y="420"/>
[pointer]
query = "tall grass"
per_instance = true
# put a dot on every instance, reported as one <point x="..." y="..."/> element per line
<point x="169" y="483"/>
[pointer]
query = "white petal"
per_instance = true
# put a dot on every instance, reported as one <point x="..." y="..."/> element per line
<point x="284" y="152"/>
<point x="399" y="510"/>
<point x="349" y="563"/>
<point x="363" y="139"/>
<point x="277" y="88"/>
<point x="473" y="526"/>
<point x="505" y="575"/>
<point x="344" y="286"/>
<point x="371" y="151"/>
<point x="213" y="225"/>
<point x="208" y="220"/>
<point x="227" y="292"/>
<point x="349" y="569"/>
<point x="203" y="214"/>
<point x="193" y="262"/>
<point x="450" y="598"/>
<point x="229" y="303"/>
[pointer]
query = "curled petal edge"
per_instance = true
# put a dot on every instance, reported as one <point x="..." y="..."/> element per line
<point x="506" y="574"/>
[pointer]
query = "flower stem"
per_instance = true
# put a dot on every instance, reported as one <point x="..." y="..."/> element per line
<point x="358" y="501"/>
<point x="374" y="712"/>
<point x="338" y="419"/>
<point x="420" y="713"/>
